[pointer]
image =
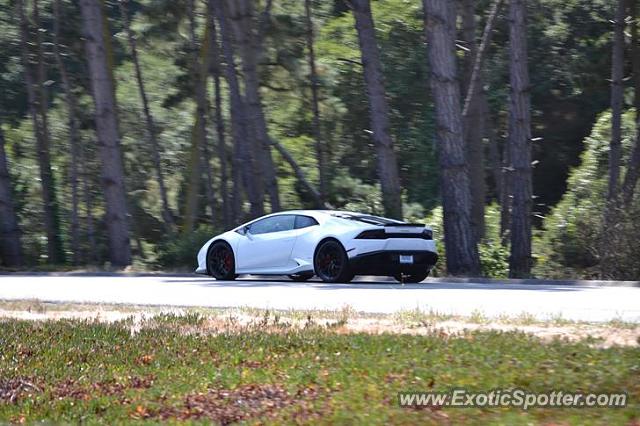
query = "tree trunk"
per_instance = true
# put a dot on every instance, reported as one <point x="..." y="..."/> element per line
<point x="473" y="120"/>
<point x="74" y="137"/>
<point x="243" y="154"/>
<point x="460" y="244"/>
<point x="506" y="196"/>
<point x="38" y="111"/>
<point x="495" y="158"/>
<point x="633" y="166"/>
<point x="107" y="131"/>
<point x="315" y="105"/>
<point x="520" y="261"/>
<point x="167" y="215"/>
<point x="10" y="245"/>
<point x="92" y="256"/>
<point x="265" y="17"/>
<point x="617" y="94"/>
<point x="379" y="109"/>
<point x="241" y="20"/>
<point x="211" y="199"/>
<point x="43" y="103"/>
<point x="221" y="145"/>
<point x="199" y="67"/>
<point x="635" y="54"/>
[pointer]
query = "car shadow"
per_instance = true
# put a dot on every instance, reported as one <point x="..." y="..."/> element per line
<point x="360" y="283"/>
<point x="429" y="284"/>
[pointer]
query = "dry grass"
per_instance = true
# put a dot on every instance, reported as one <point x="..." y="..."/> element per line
<point x="345" y="320"/>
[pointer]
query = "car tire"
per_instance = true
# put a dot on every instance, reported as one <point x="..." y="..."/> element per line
<point x="331" y="263"/>
<point x="221" y="263"/>
<point x="301" y="277"/>
<point x="412" y="278"/>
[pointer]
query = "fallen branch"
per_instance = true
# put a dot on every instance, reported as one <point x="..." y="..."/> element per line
<point x="477" y="65"/>
<point x="300" y="174"/>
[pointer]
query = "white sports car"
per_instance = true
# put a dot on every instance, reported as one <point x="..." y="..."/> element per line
<point x="334" y="245"/>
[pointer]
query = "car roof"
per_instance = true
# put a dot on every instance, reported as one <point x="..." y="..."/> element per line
<point x="326" y="215"/>
<point x="334" y="214"/>
<point x="317" y="212"/>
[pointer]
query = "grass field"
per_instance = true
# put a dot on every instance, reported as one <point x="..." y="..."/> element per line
<point x="188" y="367"/>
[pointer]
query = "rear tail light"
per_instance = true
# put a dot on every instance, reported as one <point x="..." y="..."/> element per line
<point x="372" y="234"/>
<point x="381" y="234"/>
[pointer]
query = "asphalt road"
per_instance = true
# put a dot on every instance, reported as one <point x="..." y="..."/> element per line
<point x="548" y="301"/>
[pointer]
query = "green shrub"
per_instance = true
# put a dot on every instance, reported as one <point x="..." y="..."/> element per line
<point x="179" y="251"/>
<point x="574" y="242"/>
<point x="494" y="258"/>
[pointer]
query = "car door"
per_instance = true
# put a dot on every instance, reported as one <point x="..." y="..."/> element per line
<point x="267" y="244"/>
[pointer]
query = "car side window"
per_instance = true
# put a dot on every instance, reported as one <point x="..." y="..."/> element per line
<point x="273" y="224"/>
<point x="305" y="221"/>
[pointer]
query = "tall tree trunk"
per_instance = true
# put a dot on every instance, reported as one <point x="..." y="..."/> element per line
<point x="460" y="244"/>
<point x="58" y="255"/>
<point x="107" y="131"/>
<point x="43" y="103"/>
<point x="219" y="120"/>
<point x="38" y="111"/>
<point x="473" y="121"/>
<point x="633" y="166"/>
<point x="167" y="215"/>
<point x="506" y="196"/>
<point x="265" y="17"/>
<point x="244" y="157"/>
<point x="10" y="245"/>
<point x="74" y="137"/>
<point x="92" y="256"/>
<point x="495" y="158"/>
<point x="199" y="66"/>
<point x="208" y="173"/>
<point x="315" y="105"/>
<point x="635" y="54"/>
<point x="617" y="94"/>
<point x="379" y="109"/>
<point x="241" y="20"/>
<point x="520" y="261"/>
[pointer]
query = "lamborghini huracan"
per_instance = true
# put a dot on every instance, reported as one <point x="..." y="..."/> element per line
<point x="333" y="245"/>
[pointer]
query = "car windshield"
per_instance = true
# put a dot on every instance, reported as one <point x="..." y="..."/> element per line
<point x="370" y="219"/>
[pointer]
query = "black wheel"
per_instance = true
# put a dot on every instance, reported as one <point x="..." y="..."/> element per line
<point x="221" y="263"/>
<point x="301" y="277"/>
<point x="331" y="263"/>
<point x="411" y="278"/>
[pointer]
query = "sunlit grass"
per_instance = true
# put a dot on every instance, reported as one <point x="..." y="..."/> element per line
<point x="192" y="367"/>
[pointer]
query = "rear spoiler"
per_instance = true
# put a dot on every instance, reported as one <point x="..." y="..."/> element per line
<point x="417" y="225"/>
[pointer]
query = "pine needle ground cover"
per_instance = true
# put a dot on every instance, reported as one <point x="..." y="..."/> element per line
<point x="173" y="368"/>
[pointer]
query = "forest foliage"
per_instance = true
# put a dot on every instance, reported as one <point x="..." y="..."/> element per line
<point x="569" y="55"/>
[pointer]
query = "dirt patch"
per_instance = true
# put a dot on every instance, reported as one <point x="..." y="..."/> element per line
<point x="72" y="389"/>
<point x="226" y="406"/>
<point x="13" y="389"/>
